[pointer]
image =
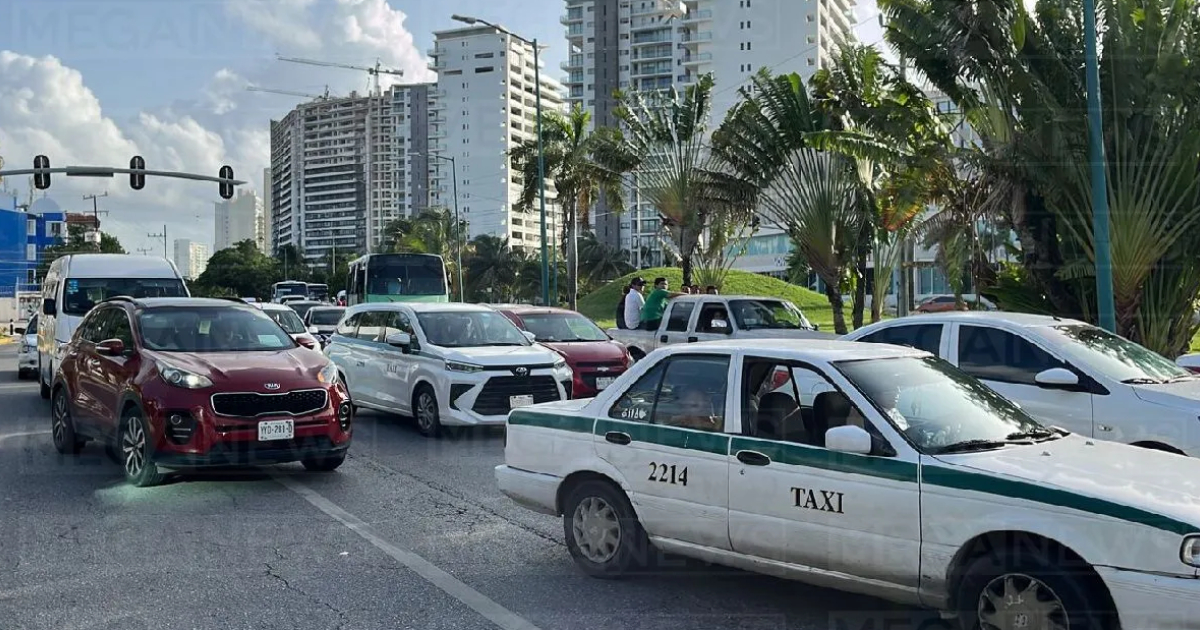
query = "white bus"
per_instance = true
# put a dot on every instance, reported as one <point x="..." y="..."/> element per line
<point x="289" y="288"/>
<point x="397" y="278"/>
<point x="77" y="282"/>
<point x="318" y="292"/>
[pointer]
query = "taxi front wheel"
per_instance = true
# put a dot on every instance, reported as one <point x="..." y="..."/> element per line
<point x="602" y="531"/>
<point x="1009" y="589"/>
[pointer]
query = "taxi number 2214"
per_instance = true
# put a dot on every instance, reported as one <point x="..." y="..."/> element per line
<point x="668" y="473"/>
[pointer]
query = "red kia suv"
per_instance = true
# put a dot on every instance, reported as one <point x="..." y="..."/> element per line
<point x="595" y="358"/>
<point x="178" y="383"/>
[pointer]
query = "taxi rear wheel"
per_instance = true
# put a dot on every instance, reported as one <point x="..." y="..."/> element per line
<point x="1009" y="590"/>
<point x="602" y="531"/>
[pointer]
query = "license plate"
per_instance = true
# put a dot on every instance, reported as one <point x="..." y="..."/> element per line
<point x="276" y="430"/>
<point x="519" y="401"/>
<point x="604" y="381"/>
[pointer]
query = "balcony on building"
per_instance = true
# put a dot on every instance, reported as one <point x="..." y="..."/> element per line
<point x="695" y="59"/>
<point x="697" y="16"/>
<point x="690" y="39"/>
<point x="573" y="14"/>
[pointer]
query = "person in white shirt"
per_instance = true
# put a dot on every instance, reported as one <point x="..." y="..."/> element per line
<point x="633" y="303"/>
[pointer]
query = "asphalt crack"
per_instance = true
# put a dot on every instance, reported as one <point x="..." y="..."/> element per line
<point x="343" y="618"/>
<point x="457" y="496"/>
<point x="71" y="534"/>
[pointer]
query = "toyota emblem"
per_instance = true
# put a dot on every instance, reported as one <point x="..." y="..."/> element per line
<point x="271" y="386"/>
<point x="521" y="371"/>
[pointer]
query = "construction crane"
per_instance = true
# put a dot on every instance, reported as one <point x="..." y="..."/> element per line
<point x="255" y="88"/>
<point x="374" y="72"/>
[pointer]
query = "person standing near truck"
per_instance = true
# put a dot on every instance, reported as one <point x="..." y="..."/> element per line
<point x="656" y="304"/>
<point x="632" y="315"/>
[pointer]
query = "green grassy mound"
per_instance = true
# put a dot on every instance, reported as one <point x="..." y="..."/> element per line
<point x="600" y="305"/>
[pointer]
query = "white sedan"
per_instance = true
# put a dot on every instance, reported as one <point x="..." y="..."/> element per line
<point x="869" y="468"/>
<point x="27" y="355"/>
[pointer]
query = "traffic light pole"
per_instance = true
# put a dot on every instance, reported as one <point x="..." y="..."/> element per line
<point x="42" y="175"/>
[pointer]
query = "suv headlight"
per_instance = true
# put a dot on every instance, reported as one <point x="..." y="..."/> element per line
<point x="1189" y="552"/>
<point x="328" y="374"/>
<point x="560" y="364"/>
<point x="183" y="378"/>
<point x="458" y="366"/>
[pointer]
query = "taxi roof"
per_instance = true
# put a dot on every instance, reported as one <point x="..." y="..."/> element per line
<point x="802" y="349"/>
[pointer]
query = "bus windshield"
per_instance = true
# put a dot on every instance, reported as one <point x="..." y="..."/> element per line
<point x="405" y="275"/>
<point x="284" y="289"/>
<point x="318" y="292"/>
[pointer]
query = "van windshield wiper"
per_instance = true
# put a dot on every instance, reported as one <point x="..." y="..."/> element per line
<point x="1142" y="380"/>
<point x="1040" y="433"/>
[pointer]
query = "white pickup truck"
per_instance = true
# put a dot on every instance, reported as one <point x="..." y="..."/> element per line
<point x="695" y="318"/>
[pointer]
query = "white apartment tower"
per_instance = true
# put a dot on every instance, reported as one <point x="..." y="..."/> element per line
<point x="190" y="258"/>
<point x="639" y="45"/>
<point x="484" y="106"/>
<point x="263" y="224"/>
<point x="338" y="176"/>
<point x="238" y="219"/>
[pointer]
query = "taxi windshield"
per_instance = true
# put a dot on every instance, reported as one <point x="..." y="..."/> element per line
<point x="470" y="329"/>
<point x="938" y="407"/>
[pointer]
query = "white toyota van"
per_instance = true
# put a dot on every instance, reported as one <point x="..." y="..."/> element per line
<point x="76" y="283"/>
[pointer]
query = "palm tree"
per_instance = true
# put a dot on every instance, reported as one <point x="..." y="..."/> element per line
<point x="598" y="262"/>
<point x="1018" y="80"/>
<point x="584" y="167"/>
<point x="492" y="268"/>
<point x="677" y="173"/>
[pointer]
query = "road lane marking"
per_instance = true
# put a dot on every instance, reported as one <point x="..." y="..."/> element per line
<point x="7" y="436"/>
<point x="452" y="586"/>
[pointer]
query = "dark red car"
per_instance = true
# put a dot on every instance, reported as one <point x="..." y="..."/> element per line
<point x="594" y="357"/>
<point x="178" y="383"/>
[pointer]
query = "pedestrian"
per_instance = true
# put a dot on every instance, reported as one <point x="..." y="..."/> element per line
<point x="12" y="329"/>
<point x="632" y="315"/>
<point x="711" y="289"/>
<point x="694" y="289"/>
<point x="620" y="310"/>
<point x="656" y="304"/>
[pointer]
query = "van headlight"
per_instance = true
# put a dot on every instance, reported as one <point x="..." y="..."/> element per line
<point x="1189" y="552"/>
<point x="182" y="378"/>
<point x="328" y="374"/>
<point x="458" y="366"/>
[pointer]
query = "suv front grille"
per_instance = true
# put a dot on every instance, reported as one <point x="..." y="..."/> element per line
<point x="254" y="405"/>
<point x="494" y="399"/>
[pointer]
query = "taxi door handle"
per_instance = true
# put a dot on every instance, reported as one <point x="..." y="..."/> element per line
<point x="753" y="458"/>
<point x="663" y="339"/>
<point x="616" y="437"/>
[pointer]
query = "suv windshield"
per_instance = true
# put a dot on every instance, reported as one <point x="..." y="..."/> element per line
<point x="470" y="329"/>
<point x="939" y="407"/>
<point x="1116" y="357"/>
<point x="325" y="316"/>
<point x="210" y="329"/>
<point x="759" y="314"/>
<point x="562" y="327"/>
<point x="287" y="319"/>
<point x="81" y="294"/>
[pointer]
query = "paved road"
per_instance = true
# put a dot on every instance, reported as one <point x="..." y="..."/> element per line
<point x="409" y="533"/>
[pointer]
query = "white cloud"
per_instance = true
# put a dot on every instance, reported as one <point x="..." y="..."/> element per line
<point x="48" y="108"/>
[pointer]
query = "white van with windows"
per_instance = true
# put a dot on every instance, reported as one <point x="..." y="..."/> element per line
<point x="444" y="364"/>
<point x="77" y="282"/>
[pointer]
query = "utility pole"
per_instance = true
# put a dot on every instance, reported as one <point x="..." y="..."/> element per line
<point x="163" y="236"/>
<point x="95" y="208"/>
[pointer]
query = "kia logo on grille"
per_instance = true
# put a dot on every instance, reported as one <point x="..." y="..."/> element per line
<point x="521" y="371"/>
<point x="271" y="386"/>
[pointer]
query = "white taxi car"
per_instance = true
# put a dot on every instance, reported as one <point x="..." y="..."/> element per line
<point x="443" y="364"/>
<point x="869" y="468"/>
<point x="27" y="357"/>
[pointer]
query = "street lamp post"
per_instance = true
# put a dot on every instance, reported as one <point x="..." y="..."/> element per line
<point x="537" y="80"/>
<point x="458" y="235"/>
<point x="1105" y="303"/>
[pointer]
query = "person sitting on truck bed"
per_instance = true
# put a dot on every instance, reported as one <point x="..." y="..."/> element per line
<point x="656" y="304"/>
<point x="631" y="314"/>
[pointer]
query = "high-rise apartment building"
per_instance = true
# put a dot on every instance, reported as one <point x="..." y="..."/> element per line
<point x="264" y="224"/>
<point x="190" y="258"/>
<point x="484" y="105"/>
<point x="642" y="45"/>
<point x="238" y="219"/>
<point x="338" y="173"/>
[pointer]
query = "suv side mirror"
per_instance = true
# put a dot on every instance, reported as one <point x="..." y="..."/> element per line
<point x="111" y="347"/>
<point x="1056" y="378"/>
<point x="313" y="330"/>
<point x="400" y="340"/>
<point x="530" y="336"/>
<point x="49" y="307"/>
<point x="849" y="439"/>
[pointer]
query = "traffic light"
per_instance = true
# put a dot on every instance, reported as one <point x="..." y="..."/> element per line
<point x="41" y="181"/>
<point x="226" y="184"/>
<point x="137" y="181"/>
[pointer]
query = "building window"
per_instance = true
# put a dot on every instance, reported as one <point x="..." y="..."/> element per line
<point x="742" y="46"/>
<point x="31" y="252"/>
<point x="487" y="55"/>
<point x="484" y="69"/>
<point x="748" y="45"/>
<point x="31" y="227"/>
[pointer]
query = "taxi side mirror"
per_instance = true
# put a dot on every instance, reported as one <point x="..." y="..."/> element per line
<point x="849" y="439"/>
